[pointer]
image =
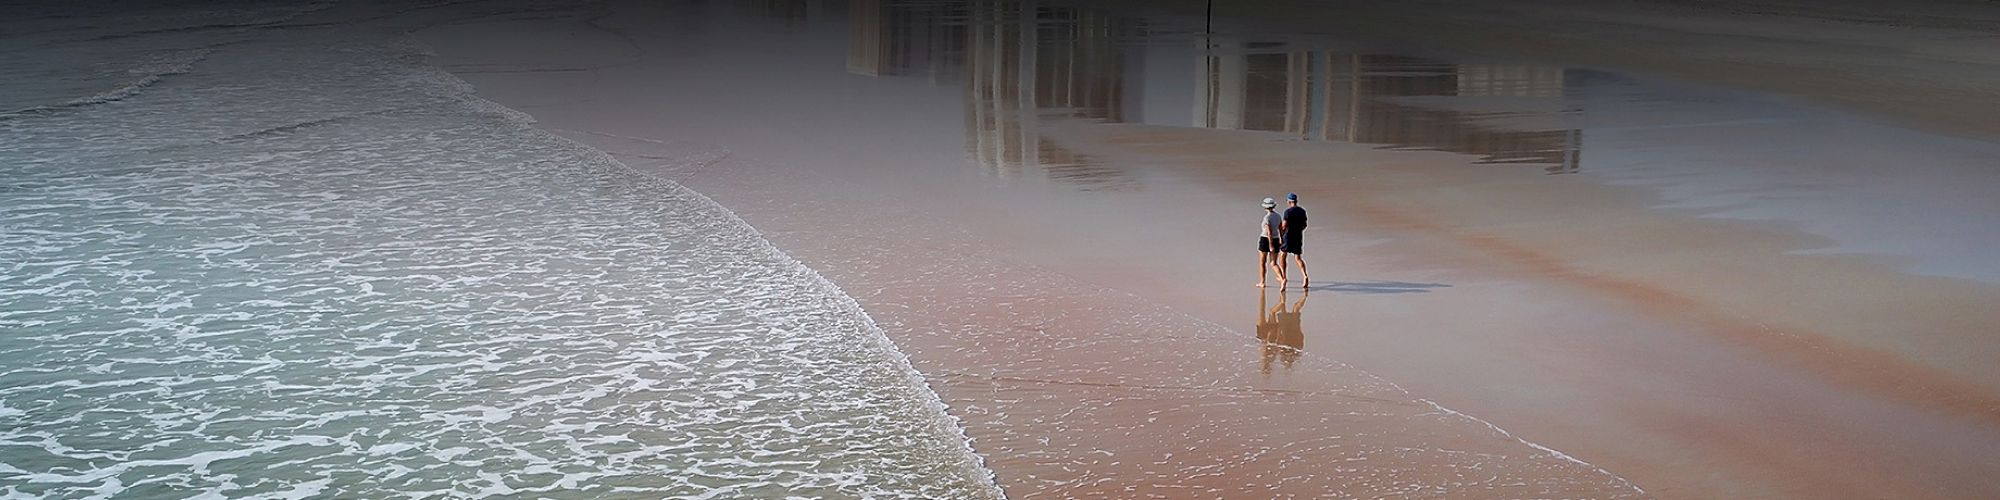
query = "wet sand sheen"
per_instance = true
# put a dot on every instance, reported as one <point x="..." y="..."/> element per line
<point x="1699" y="357"/>
<point x="1931" y="64"/>
<point x="1074" y="390"/>
<point x="1822" y="312"/>
<point x="1738" y="282"/>
<point x="1070" y="389"/>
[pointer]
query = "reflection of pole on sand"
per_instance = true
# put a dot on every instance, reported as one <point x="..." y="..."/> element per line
<point x="1278" y="333"/>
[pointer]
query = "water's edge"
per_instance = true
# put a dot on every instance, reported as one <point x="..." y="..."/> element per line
<point x="942" y="420"/>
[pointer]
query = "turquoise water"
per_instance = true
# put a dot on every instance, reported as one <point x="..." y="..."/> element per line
<point x="267" y="252"/>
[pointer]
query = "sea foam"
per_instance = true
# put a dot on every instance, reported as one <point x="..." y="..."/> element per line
<point x="309" y="264"/>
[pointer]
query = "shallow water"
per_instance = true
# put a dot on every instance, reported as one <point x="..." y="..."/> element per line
<point x="296" y="260"/>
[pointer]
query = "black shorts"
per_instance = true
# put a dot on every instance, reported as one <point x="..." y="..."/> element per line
<point x="1295" y="243"/>
<point x="1264" y="244"/>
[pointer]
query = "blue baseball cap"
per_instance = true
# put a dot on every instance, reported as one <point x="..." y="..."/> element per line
<point x="1292" y="196"/>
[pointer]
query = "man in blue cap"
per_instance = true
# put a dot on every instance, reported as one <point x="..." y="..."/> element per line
<point x="1294" y="226"/>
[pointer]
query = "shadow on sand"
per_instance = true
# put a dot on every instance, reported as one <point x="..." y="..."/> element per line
<point x="1375" y="287"/>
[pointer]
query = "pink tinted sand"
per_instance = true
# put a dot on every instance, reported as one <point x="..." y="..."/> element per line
<point x="1078" y="291"/>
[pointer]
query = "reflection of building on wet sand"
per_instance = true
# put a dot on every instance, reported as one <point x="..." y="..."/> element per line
<point x="1279" y="336"/>
<point x="791" y="11"/>
<point x="1391" y="100"/>
<point x="904" y="38"/>
<point x="1018" y="60"/>
<point x="1026" y="62"/>
<point x="1021" y="63"/>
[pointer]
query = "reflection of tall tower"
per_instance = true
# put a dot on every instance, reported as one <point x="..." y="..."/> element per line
<point x="1260" y="86"/>
<point x="864" y="37"/>
<point x="1026" y="64"/>
<point x="1221" y="87"/>
<point x="1504" y="113"/>
<point x="1078" y="69"/>
<point x="901" y="38"/>
<point x="791" y="11"/>
<point x="999" y="88"/>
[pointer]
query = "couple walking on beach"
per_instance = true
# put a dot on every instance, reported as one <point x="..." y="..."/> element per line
<point x="1280" y="235"/>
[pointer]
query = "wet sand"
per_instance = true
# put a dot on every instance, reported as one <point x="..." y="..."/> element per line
<point x="1933" y="64"/>
<point x="1069" y="388"/>
<point x="1654" y="336"/>
<point x="1072" y="389"/>
<point x="1078" y="290"/>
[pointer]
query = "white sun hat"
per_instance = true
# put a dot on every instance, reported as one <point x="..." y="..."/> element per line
<point x="1270" y="203"/>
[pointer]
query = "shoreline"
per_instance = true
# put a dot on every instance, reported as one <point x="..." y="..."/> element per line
<point x="945" y="422"/>
<point x="968" y="349"/>
<point x="216" y="287"/>
<point x="1463" y="287"/>
<point x="1013" y="399"/>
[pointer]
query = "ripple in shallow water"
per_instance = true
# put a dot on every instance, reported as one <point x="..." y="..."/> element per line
<point x="299" y="271"/>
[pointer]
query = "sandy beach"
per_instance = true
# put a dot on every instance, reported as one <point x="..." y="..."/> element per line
<point x="1531" y="279"/>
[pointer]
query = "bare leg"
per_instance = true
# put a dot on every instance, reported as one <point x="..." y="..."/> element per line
<point x="1280" y="254"/>
<point x="1278" y="263"/>
<point x="1302" y="269"/>
<point x="1263" y="259"/>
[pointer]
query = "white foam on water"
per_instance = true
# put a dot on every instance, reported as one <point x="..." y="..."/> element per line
<point x="313" y="266"/>
<point x="1621" y="481"/>
<point x="819" y="284"/>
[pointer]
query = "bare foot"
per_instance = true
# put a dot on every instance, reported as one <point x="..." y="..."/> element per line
<point x="1260" y="284"/>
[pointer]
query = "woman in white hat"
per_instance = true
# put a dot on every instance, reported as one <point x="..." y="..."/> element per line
<point x="1270" y="243"/>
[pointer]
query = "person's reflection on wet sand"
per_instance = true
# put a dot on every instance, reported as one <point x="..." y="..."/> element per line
<point x="1278" y="334"/>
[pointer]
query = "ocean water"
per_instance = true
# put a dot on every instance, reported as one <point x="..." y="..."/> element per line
<point x="269" y="251"/>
